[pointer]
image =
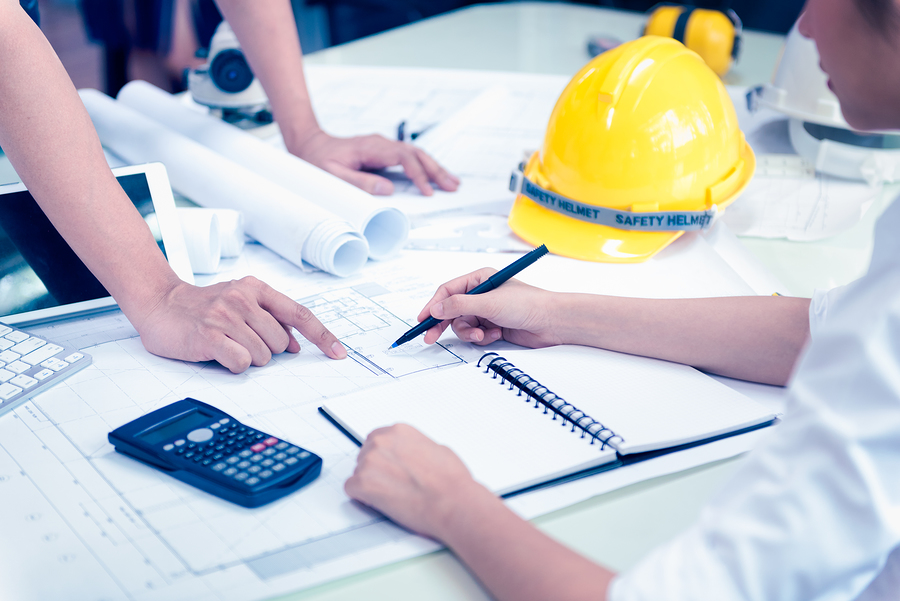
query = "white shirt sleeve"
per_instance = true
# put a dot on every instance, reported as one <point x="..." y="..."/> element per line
<point x="819" y="304"/>
<point x="815" y="511"/>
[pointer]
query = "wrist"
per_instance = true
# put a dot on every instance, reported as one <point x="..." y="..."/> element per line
<point x="139" y="307"/>
<point x="463" y="506"/>
<point x="299" y="138"/>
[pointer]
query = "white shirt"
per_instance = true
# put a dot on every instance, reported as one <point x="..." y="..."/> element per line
<point x="814" y="513"/>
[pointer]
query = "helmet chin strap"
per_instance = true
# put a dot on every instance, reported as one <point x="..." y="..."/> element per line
<point x="656" y="221"/>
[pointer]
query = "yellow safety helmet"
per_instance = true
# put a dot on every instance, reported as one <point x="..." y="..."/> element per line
<point x="714" y="35"/>
<point x="642" y="145"/>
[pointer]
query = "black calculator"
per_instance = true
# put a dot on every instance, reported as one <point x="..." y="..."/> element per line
<point x="207" y="448"/>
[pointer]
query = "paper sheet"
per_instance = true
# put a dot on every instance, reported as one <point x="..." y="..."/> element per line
<point x="114" y="529"/>
<point x="478" y="124"/>
<point x="291" y="226"/>
<point x="801" y="205"/>
<point x="384" y="227"/>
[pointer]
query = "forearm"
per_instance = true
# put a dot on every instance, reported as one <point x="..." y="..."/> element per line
<point x="755" y="338"/>
<point x="51" y="143"/>
<point x="515" y="560"/>
<point x="269" y="39"/>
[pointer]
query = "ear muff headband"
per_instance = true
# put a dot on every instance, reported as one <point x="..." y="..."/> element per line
<point x="681" y="27"/>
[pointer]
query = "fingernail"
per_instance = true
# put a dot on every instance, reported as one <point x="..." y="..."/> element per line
<point x="339" y="351"/>
<point x="382" y="189"/>
<point x="438" y="310"/>
<point x="449" y="181"/>
<point x="495" y="335"/>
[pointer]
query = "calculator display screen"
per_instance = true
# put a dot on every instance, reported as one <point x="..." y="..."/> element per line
<point x="180" y="426"/>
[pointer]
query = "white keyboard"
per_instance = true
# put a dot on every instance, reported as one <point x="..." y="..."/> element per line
<point x="31" y="364"/>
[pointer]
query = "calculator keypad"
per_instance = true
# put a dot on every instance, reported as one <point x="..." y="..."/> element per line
<point x="238" y="452"/>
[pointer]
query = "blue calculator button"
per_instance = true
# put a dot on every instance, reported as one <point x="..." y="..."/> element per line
<point x="259" y="436"/>
<point x="253" y="469"/>
<point x="243" y="465"/>
<point x="200" y="435"/>
<point x="282" y="446"/>
<point x="216" y="426"/>
<point x="291" y="460"/>
<point x="267" y="463"/>
<point x="220" y="466"/>
<point x="168" y="447"/>
<point x="207" y="461"/>
<point x="180" y="451"/>
<point x="245" y="453"/>
<point x="198" y="458"/>
<point x="277" y="467"/>
<point x="256" y="457"/>
<point x="268" y="452"/>
<point x="280" y="456"/>
<point x="230" y="471"/>
<point x="233" y="459"/>
<point x="242" y="476"/>
<point x="251" y="481"/>
<point x="266" y="474"/>
<point x="217" y="456"/>
<point x="219" y="447"/>
<point x="224" y="420"/>
<point x="179" y="442"/>
<point x="292" y="450"/>
<point x="189" y="454"/>
<point x="303" y="455"/>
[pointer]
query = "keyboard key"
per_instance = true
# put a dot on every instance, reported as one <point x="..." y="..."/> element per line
<point x="18" y="367"/>
<point x="4" y="330"/>
<point x="8" y="391"/>
<point x="23" y="381"/>
<point x="41" y="354"/>
<point x="74" y="357"/>
<point x="17" y="336"/>
<point x="43" y="374"/>
<point x="54" y="364"/>
<point x="28" y="345"/>
<point x="9" y="356"/>
<point x="6" y="375"/>
<point x="6" y="344"/>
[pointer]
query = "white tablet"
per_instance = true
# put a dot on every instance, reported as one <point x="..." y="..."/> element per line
<point x="42" y="279"/>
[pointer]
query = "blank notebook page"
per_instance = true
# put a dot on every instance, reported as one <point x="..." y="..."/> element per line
<point x="505" y="442"/>
<point x="651" y="404"/>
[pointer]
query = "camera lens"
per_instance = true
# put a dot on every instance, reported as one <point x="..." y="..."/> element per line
<point x="230" y="72"/>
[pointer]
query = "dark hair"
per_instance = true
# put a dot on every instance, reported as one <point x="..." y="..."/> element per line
<point x="881" y="14"/>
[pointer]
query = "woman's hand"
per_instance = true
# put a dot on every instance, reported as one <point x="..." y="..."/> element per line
<point x="516" y="312"/>
<point x="350" y="158"/>
<point x="411" y="479"/>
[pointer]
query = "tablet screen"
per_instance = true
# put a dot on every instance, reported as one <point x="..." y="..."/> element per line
<point x="38" y="270"/>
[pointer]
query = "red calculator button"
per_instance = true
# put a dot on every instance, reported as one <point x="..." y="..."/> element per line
<point x="271" y="441"/>
<point x="257" y="447"/>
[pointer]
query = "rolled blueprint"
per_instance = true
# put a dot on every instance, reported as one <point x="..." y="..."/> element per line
<point x="384" y="227"/>
<point x="293" y="227"/>
<point x="231" y="231"/>
<point x="201" y="236"/>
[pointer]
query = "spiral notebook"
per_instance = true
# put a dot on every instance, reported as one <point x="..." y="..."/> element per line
<point x="524" y="418"/>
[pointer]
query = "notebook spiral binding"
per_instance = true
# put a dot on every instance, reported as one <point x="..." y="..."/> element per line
<point x="553" y="403"/>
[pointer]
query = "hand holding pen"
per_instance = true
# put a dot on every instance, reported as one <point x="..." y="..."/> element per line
<point x="480" y="318"/>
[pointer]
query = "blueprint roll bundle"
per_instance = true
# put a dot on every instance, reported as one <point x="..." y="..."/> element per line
<point x="384" y="227"/>
<point x="285" y="222"/>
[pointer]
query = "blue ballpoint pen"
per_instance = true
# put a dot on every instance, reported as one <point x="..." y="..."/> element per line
<point x="486" y="286"/>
